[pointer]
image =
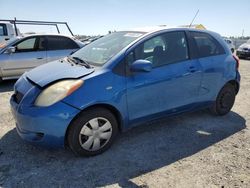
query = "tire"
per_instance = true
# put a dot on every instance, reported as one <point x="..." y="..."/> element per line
<point x="92" y="132"/>
<point x="224" y="101"/>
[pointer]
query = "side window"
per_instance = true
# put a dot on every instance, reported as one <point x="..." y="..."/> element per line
<point x="164" y="49"/>
<point x="206" y="44"/>
<point x="3" y="30"/>
<point x="151" y="44"/>
<point x="27" y="45"/>
<point x="60" y="43"/>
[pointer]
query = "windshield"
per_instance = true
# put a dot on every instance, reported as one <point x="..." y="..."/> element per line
<point x="103" y="49"/>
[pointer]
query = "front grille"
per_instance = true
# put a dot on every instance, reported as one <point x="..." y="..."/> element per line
<point x="18" y="97"/>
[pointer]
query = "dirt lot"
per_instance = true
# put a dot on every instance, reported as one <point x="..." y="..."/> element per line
<point x="191" y="150"/>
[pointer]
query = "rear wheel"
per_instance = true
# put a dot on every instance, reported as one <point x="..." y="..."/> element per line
<point x="92" y="132"/>
<point x="224" y="101"/>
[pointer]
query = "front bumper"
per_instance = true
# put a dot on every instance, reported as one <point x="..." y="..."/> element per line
<point x="43" y="126"/>
<point x="243" y="53"/>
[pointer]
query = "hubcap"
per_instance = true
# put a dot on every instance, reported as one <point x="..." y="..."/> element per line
<point x="95" y="134"/>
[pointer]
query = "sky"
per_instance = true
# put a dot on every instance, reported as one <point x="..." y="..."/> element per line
<point x="93" y="17"/>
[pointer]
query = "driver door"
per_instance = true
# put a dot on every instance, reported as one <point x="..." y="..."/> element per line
<point x="173" y="83"/>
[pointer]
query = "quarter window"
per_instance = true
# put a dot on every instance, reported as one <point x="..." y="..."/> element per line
<point x="206" y="44"/>
<point x="60" y="43"/>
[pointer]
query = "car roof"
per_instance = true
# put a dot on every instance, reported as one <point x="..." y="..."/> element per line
<point x="154" y="29"/>
<point x="149" y="29"/>
<point x="48" y="34"/>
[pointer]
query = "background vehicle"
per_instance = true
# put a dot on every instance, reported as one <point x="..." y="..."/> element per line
<point x="28" y="52"/>
<point x="122" y="80"/>
<point x="244" y="50"/>
<point x="7" y="32"/>
<point x="230" y="44"/>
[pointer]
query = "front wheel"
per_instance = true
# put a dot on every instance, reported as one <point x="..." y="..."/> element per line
<point x="224" y="101"/>
<point x="92" y="132"/>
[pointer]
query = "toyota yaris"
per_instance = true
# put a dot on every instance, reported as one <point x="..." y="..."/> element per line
<point x="122" y="80"/>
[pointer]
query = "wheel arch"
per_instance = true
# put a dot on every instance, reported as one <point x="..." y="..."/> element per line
<point x="109" y="107"/>
<point x="235" y="84"/>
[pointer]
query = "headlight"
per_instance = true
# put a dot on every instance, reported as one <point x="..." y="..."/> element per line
<point x="57" y="92"/>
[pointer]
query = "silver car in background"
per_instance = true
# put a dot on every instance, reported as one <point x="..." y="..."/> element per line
<point x="21" y="55"/>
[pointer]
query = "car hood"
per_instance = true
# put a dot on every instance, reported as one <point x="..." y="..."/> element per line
<point x="57" y="70"/>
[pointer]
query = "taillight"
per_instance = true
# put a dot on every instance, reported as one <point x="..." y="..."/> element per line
<point x="237" y="61"/>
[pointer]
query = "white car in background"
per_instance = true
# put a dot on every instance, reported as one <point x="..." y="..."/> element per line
<point x="7" y="32"/>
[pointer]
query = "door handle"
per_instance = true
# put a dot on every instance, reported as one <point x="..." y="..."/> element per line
<point x="192" y="69"/>
<point x="39" y="58"/>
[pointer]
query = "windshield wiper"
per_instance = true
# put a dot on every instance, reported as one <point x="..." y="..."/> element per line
<point x="80" y="61"/>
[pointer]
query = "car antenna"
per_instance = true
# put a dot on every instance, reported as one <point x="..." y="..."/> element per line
<point x="194" y="18"/>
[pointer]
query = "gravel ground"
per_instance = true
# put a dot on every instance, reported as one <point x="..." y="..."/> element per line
<point x="191" y="150"/>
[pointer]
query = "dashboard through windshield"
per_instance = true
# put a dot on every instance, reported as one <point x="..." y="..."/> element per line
<point x="100" y="51"/>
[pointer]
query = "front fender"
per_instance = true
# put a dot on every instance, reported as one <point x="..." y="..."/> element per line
<point x="103" y="88"/>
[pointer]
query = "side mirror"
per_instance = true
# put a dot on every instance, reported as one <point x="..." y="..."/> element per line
<point x="10" y="50"/>
<point x="141" y="65"/>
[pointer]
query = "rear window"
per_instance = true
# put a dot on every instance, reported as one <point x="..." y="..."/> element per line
<point x="60" y="43"/>
<point x="206" y="44"/>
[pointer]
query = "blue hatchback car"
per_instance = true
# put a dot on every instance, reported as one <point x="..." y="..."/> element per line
<point x="121" y="80"/>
